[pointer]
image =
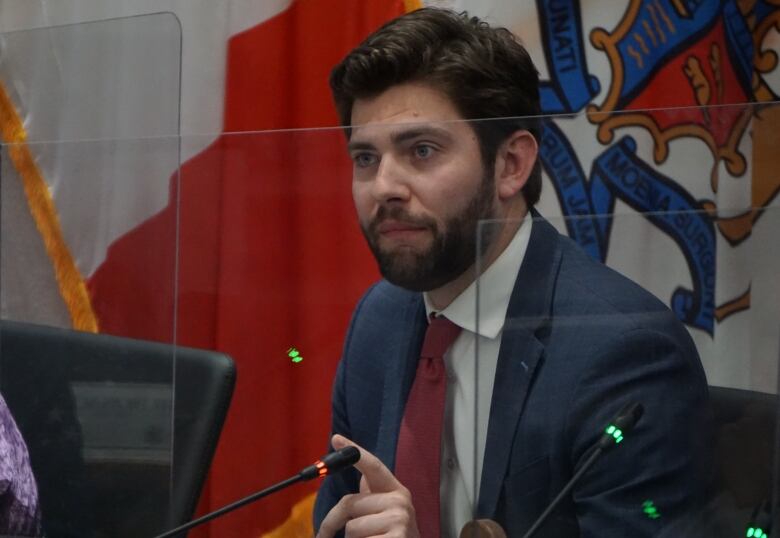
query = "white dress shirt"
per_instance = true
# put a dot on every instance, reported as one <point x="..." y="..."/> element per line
<point x="470" y="380"/>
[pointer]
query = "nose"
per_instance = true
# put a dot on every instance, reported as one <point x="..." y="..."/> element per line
<point x="390" y="183"/>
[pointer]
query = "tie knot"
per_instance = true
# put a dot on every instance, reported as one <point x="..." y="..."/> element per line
<point x="439" y="337"/>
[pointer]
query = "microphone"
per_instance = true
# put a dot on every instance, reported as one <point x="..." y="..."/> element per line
<point x="613" y="435"/>
<point x="333" y="462"/>
<point x="624" y="422"/>
<point x="329" y="464"/>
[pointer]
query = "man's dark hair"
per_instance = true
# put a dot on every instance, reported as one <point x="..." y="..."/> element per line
<point x="485" y="71"/>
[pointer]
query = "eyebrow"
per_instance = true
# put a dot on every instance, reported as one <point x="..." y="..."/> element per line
<point x="400" y="137"/>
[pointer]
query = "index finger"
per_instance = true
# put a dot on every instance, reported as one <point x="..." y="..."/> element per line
<point x="378" y="477"/>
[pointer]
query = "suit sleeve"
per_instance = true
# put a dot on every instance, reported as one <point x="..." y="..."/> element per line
<point x="334" y="487"/>
<point x="665" y="460"/>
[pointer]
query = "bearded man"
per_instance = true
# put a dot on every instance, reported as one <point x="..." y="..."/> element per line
<point x="458" y="417"/>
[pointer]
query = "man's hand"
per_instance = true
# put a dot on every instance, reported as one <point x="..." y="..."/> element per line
<point x="382" y="508"/>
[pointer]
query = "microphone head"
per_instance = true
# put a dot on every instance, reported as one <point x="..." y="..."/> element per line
<point x="629" y="416"/>
<point x="623" y="423"/>
<point x="332" y="462"/>
<point x="341" y="459"/>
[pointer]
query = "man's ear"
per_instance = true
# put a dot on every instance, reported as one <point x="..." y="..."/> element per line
<point x="514" y="162"/>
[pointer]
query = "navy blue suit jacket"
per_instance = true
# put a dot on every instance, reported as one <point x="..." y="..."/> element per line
<point x="579" y="342"/>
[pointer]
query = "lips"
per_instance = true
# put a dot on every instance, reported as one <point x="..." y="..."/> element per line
<point x="398" y="229"/>
<point x="393" y="227"/>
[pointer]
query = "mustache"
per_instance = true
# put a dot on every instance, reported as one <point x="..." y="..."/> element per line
<point x="400" y="214"/>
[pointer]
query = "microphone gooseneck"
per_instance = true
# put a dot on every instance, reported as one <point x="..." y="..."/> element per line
<point x="613" y="435"/>
<point x="331" y="463"/>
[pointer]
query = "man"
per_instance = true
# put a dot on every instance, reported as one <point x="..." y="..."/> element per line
<point x="563" y="342"/>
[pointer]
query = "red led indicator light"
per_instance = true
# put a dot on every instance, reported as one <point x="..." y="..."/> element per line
<point x="321" y="469"/>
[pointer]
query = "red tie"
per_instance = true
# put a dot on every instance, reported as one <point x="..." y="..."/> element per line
<point x="418" y="454"/>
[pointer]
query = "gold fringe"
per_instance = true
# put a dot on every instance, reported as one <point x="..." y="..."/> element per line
<point x="299" y="524"/>
<point x="411" y="5"/>
<point x="71" y="284"/>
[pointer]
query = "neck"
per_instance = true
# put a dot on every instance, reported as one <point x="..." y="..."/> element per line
<point x="442" y="297"/>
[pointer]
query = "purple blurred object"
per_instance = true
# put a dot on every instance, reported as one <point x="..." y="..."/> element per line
<point x="20" y="514"/>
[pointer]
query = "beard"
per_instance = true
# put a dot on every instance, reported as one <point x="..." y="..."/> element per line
<point x="452" y="252"/>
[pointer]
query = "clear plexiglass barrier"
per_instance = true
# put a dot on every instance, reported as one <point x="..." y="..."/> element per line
<point x="89" y="152"/>
<point x="666" y="295"/>
<point x="568" y="350"/>
<point x="654" y="381"/>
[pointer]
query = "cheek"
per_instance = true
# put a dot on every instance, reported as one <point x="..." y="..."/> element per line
<point x="362" y="200"/>
<point x="455" y="190"/>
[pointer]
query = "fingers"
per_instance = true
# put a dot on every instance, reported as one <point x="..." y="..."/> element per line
<point x="378" y="478"/>
<point x="368" y="515"/>
<point x="378" y="524"/>
<point x="383" y="505"/>
<point x="337" y="517"/>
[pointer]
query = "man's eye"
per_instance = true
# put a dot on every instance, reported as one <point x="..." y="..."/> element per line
<point x="364" y="160"/>
<point x="423" y="151"/>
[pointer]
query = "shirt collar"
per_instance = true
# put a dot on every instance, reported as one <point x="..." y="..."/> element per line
<point x="495" y="289"/>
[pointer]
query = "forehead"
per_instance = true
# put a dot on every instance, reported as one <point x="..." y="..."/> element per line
<point x="406" y="107"/>
<point x="405" y="102"/>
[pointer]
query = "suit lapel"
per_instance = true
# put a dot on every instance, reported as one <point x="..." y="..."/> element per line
<point x="517" y="361"/>
<point x="521" y="353"/>
<point x="400" y="368"/>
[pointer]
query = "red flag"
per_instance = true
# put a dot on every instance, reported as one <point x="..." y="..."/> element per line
<point x="270" y="254"/>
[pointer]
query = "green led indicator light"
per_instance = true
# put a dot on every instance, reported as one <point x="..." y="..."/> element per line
<point x="616" y="433"/>
<point x="757" y="532"/>
<point x="294" y="354"/>
<point x="650" y="510"/>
